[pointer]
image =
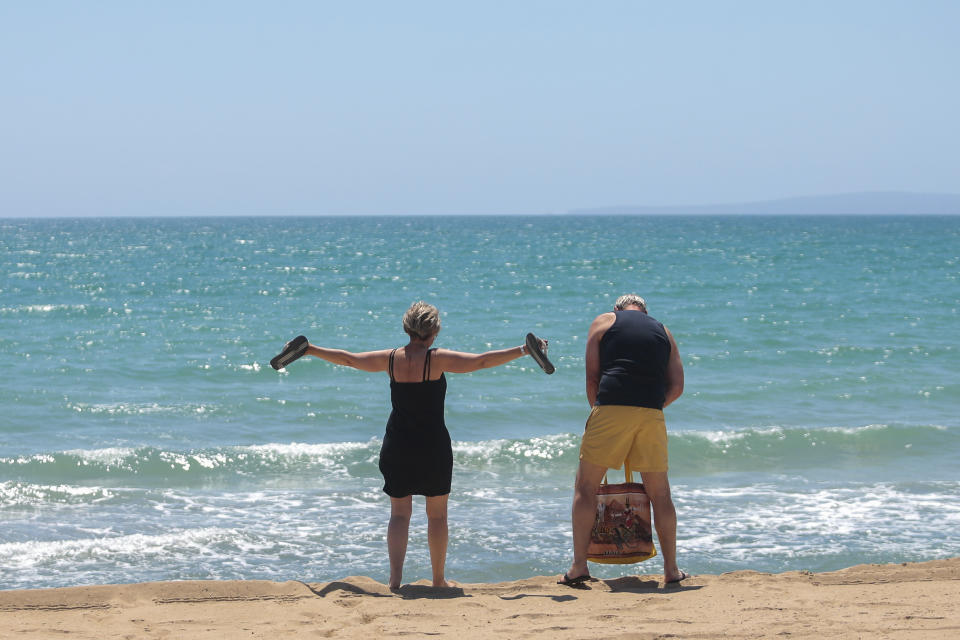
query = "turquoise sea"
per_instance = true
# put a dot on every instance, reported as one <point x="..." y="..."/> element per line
<point x="144" y="437"/>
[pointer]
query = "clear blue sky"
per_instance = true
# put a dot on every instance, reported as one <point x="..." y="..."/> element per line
<point x="256" y="108"/>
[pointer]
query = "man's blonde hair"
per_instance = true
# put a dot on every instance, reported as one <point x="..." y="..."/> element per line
<point x="421" y="320"/>
<point x="630" y="299"/>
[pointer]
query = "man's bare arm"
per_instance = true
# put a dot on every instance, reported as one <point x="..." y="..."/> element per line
<point x="674" y="372"/>
<point x="599" y="327"/>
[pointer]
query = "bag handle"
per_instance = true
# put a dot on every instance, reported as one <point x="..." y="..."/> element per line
<point x="627" y="474"/>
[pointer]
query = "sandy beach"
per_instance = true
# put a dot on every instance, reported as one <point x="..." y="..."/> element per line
<point x="911" y="600"/>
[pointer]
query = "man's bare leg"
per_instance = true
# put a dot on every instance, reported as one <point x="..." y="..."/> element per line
<point x="584" y="514"/>
<point x="665" y="521"/>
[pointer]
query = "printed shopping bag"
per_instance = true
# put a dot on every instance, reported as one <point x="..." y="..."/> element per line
<point x="621" y="533"/>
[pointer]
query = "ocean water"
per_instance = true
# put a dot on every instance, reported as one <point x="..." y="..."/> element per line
<point x="144" y="436"/>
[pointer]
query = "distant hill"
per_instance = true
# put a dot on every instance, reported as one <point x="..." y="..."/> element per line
<point x="866" y="203"/>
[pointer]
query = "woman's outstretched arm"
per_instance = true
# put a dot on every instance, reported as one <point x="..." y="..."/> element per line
<point x="461" y="362"/>
<point x="366" y="361"/>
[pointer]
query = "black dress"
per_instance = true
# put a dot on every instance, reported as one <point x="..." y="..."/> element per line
<point x="416" y="457"/>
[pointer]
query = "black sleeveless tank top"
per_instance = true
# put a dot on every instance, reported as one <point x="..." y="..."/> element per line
<point x="417" y="406"/>
<point x="633" y="361"/>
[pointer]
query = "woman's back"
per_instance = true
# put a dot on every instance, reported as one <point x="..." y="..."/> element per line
<point x="413" y="365"/>
<point x="417" y="416"/>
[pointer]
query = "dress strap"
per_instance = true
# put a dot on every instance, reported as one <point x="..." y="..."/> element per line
<point x="426" y="365"/>
<point x="392" y="353"/>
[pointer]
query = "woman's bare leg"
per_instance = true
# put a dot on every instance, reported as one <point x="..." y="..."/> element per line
<point x="437" y="536"/>
<point x="398" y="532"/>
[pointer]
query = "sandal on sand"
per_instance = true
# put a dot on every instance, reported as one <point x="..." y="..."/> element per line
<point x="573" y="582"/>
<point x="291" y="351"/>
<point x="683" y="576"/>
<point x="538" y="354"/>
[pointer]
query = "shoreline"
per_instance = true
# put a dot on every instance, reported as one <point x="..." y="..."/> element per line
<point x="907" y="600"/>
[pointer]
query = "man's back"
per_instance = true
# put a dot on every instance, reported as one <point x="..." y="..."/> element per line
<point x="634" y="353"/>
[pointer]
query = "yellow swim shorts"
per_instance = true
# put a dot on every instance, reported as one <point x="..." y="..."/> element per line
<point x="615" y="433"/>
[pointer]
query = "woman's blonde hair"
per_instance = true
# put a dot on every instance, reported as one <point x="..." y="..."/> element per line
<point x="421" y="320"/>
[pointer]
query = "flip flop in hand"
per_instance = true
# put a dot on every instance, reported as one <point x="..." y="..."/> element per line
<point x="291" y="351"/>
<point x="537" y="349"/>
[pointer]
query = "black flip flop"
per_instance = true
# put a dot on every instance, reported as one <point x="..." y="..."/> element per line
<point x="291" y="351"/>
<point x="533" y="347"/>
<point x="683" y="576"/>
<point x="574" y="582"/>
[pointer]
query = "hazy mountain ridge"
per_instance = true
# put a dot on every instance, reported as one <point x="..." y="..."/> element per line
<point x="863" y="203"/>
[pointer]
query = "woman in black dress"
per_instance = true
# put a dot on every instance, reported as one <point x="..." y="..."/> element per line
<point x="416" y="457"/>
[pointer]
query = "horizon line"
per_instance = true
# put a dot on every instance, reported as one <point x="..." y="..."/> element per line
<point x="860" y="203"/>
